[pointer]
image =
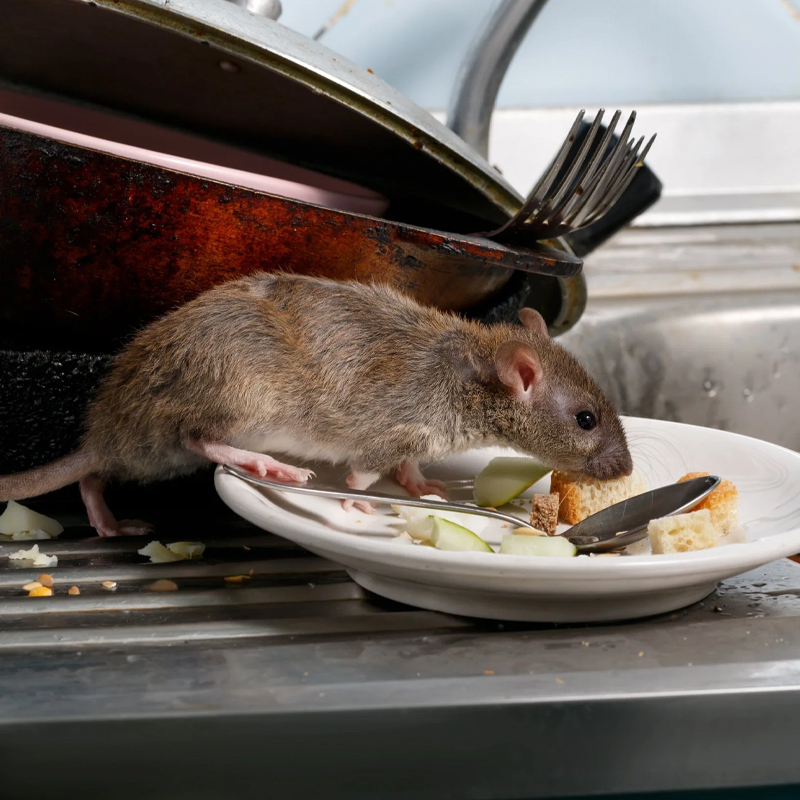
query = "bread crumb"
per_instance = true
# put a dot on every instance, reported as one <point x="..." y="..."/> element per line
<point x="722" y="503"/>
<point x="45" y="579"/>
<point x="42" y="591"/>
<point x="558" y="680"/>
<point x="544" y="513"/>
<point x="110" y="585"/>
<point x="73" y="590"/>
<point x="682" y="533"/>
<point x="236" y="578"/>
<point x="29" y="587"/>
<point x="528" y="532"/>
<point x="162" y="585"/>
<point x="488" y="672"/>
<point x="581" y="497"/>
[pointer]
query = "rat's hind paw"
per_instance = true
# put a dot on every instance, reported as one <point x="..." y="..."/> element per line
<point x="133" y="527"/>
<point x="361" y="505"/>
<point x="125" y="527"/>
<point x="416" y="484"/>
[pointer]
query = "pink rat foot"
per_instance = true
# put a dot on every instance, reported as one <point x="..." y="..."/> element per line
<point x="360" y="481"/>
<point x="257" y="463"/>
<point x="361" y="505"/>
<point x="100" y="516"/>
<point x="415" y="483"/>
<point x="125" y="527"/>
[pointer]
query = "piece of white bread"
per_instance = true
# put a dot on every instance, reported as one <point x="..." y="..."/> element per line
<point x="682" y="533"/>
<point x="544" y="513"/>
<point x="722" y="504"/>
<point x="582" y="497"/>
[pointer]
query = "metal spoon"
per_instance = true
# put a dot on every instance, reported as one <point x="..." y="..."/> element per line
<point x="612" y="528"/>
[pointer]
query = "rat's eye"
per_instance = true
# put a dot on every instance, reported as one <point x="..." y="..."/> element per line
<point x="586" y="420"/>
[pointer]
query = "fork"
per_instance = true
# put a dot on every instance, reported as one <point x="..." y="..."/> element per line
<point x="591" y="184"/>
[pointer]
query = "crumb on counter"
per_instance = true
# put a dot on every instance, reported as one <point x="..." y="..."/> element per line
<point x="162" y="585"/>
<point x="35" y="556"/>
<point x="73" y="590"/>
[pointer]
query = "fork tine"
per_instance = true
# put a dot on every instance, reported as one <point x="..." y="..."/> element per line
<point x="603" y="201"/>
<point x="610" y="169"/>
<point x="578" y="195"/>
<point x="578" y="164"/>
<point x="545" y="182"/>
<point x="584" y="191"/>
<point x="591" y="183"/>
<point x="627" y="168"/>
<point x="625" y="180"/>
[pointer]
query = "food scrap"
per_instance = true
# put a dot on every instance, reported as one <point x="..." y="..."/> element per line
<point x="503" y="479"/>
<point x="722" y="503"/>
<point x="20" y="523"/>
<point x="236" y="578"/>
<point x="580" y="498"/>
<point x="35" y="556"/>
<point x="682" y="533"/>
<point x="162" y="585"/>
<point x="45" y="579"/>
<point x="42" y="591"/>
<point x="175" y="551"/>
<point x="544" y="513"/>
<point x="73" y="590"/>
<point x="110" y="585"/>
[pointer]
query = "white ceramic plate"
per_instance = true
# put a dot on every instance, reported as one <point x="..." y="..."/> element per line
<point x="579" y="589"/>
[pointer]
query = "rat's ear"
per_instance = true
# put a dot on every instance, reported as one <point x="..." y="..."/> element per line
<point x="533" y="321"/>
<point x="519" y="368"/>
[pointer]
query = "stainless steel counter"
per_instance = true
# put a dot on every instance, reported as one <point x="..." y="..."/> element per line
<point x="296" y="684"/>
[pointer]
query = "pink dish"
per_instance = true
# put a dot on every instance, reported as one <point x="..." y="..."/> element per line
<point x="152" y="144"/>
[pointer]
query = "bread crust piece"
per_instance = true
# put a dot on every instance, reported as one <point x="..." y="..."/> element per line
<point x="682" y="533"/>
<point x="544" y="513"/>
<point x="722" y="503"/>
<point x="581" y="497"/>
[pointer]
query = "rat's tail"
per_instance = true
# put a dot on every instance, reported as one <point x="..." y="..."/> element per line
<point x="48" y="478"/>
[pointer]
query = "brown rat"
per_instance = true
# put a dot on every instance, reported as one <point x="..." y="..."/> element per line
<point x="340" y="372"/>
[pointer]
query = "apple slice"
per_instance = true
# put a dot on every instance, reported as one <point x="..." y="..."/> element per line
<point x="504" y="478"/>
<point x="525" y="545"/>
<point x="419" y="522"/>
<point x="447" y="535"/>
<point x="17" y="520"/>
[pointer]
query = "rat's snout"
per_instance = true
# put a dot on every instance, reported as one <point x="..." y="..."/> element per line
<point x="607" y="466"/>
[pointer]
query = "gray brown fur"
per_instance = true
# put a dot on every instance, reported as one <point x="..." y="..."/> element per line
<point x="360" y="373"/>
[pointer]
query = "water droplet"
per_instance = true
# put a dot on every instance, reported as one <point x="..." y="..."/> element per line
<point x="710" y="387"/>
<point x="776" y="373"/>
<point x="748" y="395"/>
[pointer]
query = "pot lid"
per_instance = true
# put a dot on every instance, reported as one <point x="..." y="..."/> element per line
<point x="212" y="68"/>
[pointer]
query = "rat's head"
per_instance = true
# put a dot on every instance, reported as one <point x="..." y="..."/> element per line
<point x="549" y="407"/>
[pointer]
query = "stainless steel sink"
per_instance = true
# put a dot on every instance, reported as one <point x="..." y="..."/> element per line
<point x="699" y="326"/>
